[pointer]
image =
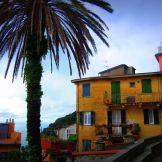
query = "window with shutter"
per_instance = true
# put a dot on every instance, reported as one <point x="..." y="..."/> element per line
<point x="151" y="116"/>
<point x="86" y="145"/>
<point x="146" y="86"/>
<point x="86" y="90"/>
<point x="115" y="92"/>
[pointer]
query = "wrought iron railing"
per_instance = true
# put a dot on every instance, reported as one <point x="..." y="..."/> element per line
<point x="132" y="98"/>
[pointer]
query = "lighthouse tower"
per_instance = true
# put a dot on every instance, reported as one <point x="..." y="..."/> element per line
<point x="159" y="57"/>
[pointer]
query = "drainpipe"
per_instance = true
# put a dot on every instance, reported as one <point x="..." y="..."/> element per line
<point x="77" y="113"/>
<point x="159" y="59"/>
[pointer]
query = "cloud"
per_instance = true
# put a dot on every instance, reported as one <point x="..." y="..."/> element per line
<point x="129" y="44"/>
<point x="133" y="41"/>
<point x="12" y="98"/>
<point x="59" y="96"/>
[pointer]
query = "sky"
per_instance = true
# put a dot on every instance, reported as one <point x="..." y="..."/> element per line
<point x="135" y="32"/>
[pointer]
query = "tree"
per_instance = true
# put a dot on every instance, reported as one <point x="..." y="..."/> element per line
<point x="29" y="29"/>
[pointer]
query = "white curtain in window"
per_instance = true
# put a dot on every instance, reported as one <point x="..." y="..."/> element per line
<point x="87" y="118"/>
<point x="151" y="116"/>
<point x="116" y="120"/>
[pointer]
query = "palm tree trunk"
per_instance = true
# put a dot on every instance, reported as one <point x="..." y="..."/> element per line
<point x="33" y="74"/>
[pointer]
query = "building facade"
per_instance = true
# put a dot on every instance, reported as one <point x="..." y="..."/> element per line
<point x="64" y="133"/>
<point x="10" y="140"/>
<point x="116" y="101"/>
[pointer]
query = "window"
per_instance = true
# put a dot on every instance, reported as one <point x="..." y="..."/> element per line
<point x="68" y="133"/>
<point x="86" y="90"/>
<point x="116" y="117"/>
<point x="87" y="118"/>
<point x="146" y="86"/>
<point x="132" y="84"/>
<point x="86" y="145"/>
<point x="151" y="116"/>
<point x="116" y="120"/>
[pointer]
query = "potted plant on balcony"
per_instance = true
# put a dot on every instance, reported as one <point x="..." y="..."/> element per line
<point x="99" y="130"/>
<point x="135" y="131"/>
<point x="128" y="138"/>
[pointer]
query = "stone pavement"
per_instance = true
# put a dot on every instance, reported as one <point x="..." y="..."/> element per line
<point x="158" y="159"/>
<point x="93" y="158"/>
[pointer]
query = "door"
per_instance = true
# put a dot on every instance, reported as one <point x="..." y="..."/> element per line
<point x="115" y="92"/>
<point x="117" y="120"/>
<point x="86" y="145"/>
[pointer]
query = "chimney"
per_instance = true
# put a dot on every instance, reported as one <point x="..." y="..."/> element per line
<point x="13" y="121"/>
<point x="159" y="57"/>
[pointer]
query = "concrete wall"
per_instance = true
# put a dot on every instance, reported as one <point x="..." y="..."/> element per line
<point x="116" y="71"/>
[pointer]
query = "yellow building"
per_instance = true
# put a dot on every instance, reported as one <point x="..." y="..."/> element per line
<point x="116" y="99"/>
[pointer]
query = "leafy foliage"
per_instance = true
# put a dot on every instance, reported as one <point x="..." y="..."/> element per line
<point x="21" y="155"/>
<point x="55" y="19"/>
<point x="33" y="74"/>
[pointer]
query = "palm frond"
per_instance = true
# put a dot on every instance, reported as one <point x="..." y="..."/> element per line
<point x="66" y="24"/>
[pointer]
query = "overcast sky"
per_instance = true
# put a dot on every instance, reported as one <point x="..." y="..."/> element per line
<point x="135" y="32"/>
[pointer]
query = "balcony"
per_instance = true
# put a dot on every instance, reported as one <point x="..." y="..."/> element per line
<point x="132" y="98"/>
<point x="113" y="134"/>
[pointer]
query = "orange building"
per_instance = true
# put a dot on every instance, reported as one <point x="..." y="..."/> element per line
<point x="10" y="140"/>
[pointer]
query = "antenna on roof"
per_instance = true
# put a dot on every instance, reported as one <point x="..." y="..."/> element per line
<point x="106" y="64"/>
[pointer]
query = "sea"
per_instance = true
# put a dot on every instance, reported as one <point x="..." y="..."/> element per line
<point x="21" y="127"/>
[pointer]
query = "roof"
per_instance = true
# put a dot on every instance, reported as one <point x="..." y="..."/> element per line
<point x="116" y="76"/>
<point x="64" y="127"/>
<point x="115" y="67"/>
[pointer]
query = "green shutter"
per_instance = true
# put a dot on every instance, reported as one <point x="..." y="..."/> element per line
<point x="109" y="120"/>
<point x="81" y="118"/>
<point x="146" y="86"/>
<point x="156" y="116"/>
<point x="123" y="121"/>
<point x="115" y="92"/>
<point x="92" y="117"/>
<point x="146" y="117"/>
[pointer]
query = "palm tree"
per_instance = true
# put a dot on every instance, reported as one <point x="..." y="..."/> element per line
<point x="29" y="29"/>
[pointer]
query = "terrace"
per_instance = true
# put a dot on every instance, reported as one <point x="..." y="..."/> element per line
<point x="132" y="98"/>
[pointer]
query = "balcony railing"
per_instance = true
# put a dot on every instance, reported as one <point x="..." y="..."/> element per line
<point x="131" y="98"/>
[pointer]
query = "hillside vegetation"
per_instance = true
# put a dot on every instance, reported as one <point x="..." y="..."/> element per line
<point x="60" y="123"/>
